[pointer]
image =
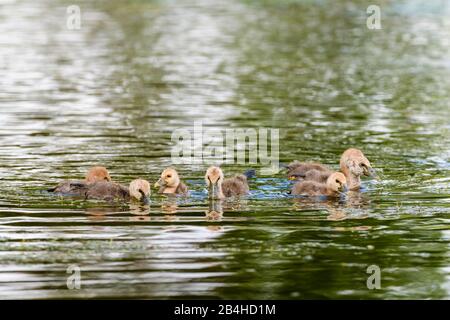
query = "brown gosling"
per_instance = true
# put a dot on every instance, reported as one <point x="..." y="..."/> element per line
<point x="170" y="183"/>
<point x="219" y="188"/>
<point x="79" y="187"/>
<point x="335" y="184"/>
<point x="316" y="175"/>
<point x="353" y="165"/>
<point x="297" y="169"/>
<point x="139" y="190"/>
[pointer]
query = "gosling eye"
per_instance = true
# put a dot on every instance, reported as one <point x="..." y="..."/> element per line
<point x="362" y="165"/>
<point x="105" y="178"/>
<point x="169" y="176"/>
<point x="337" y="181"/>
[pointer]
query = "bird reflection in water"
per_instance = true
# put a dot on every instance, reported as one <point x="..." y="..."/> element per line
<point x="170" y="206"/>
<point x="350" y="206"/>
<point x="139" y="212"/>
<point x="215" y="210"/>
<point x="216" y="207"/>
<point x="100" y="213"/>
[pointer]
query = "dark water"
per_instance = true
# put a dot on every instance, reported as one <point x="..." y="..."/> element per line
<point x="112" y="93"/>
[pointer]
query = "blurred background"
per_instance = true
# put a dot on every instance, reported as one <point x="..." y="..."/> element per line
<point x="113" y="91"/>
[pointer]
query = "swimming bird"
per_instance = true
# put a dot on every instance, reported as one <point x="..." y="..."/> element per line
<point x="353" y="164"/>
<point x="297" y="169"/>
<point x="139" y="190"/>
<point x="170" y="183"/>
<point x="219" y="188"/>
<point x="335" y="184"/>
<point x="79" y="187"/>
<point x="314" y="175"/>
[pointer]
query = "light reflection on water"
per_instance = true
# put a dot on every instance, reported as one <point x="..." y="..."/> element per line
<point x="112" y="93"/>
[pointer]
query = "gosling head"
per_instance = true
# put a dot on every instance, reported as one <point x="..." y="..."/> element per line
<point x="214" y="178"/>
<point x="169" y="179"/>
<point x="355" y="163"/>
<point x="96" y="174"/>
<point x="337" y="182"/>
<point x="140" y="190"/>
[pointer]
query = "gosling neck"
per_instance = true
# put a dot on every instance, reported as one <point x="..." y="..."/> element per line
<point x="353" y="180"/>
<point x="217" y="193"/>
<point x="170" y="189"/>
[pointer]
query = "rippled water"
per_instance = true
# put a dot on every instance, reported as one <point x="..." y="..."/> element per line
<point x="112" y="92"/>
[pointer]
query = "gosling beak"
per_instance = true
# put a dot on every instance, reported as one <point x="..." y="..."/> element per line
<point x="213" y="189"/>
<point x="159" y="183"/>
<point x="292" y="178"/>
<point x="372" y="173"/>
<point x="342" y="189"/>
<point x="144" y="198"/>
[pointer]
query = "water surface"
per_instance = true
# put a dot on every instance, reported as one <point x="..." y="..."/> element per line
<point x="112" y="93"/>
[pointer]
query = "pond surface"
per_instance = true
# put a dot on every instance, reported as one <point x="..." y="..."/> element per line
<point x="112" y="92"/>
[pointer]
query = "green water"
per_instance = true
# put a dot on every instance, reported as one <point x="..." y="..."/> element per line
<point x="112" y="93"/>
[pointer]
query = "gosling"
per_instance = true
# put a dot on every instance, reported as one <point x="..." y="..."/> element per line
<point x="170" y="183"/>
<point x="139" y="190"/>
<point x="334" y="186"/>
<point x="79" y="187"/>
<point x="219" y="188"/>
<point x="353" y="164"/>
